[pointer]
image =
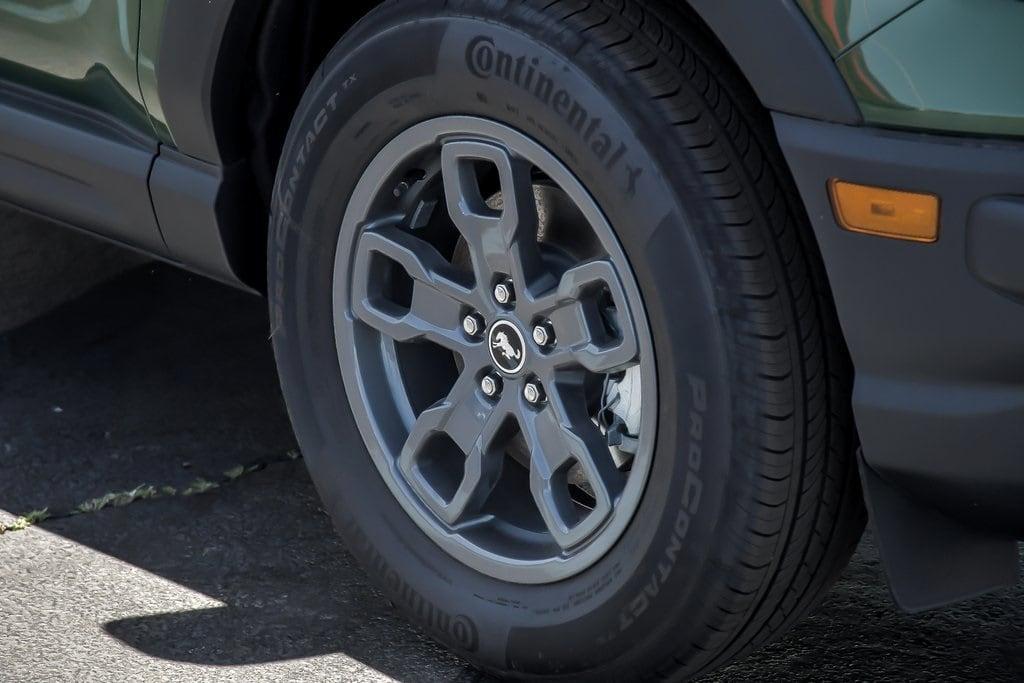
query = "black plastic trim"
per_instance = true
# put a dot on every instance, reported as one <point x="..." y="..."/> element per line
<point x="77" y="167"/>
<point x="205" y="218"/>
<point x="931" y="559"/>
<point x="200" y="43"/>
<point x="995" y="244"/>
<point x="939" y="390"/>
<point x="782" y="57"/>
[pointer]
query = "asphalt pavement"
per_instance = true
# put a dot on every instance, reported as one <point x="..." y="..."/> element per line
<point x="226" y="568"/>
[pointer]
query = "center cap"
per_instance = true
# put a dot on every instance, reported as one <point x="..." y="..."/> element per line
<point x="507" y="346"/>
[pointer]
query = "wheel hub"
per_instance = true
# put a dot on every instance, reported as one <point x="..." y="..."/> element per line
<point x="507" y="347"/>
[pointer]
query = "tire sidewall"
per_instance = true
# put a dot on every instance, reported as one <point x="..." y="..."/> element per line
<point x="367" y="92"/>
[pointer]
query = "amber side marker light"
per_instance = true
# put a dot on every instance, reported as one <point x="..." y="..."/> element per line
<point x="888" y="213"/>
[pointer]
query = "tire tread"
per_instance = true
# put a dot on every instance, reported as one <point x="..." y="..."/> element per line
<point x="802" y="504"/>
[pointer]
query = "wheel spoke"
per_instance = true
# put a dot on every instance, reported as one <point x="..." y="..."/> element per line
<point x="501" y="242"/>
<point x="580" y="324"/>
<point x="439" y="297"/>
<point x="560" y="437"/>
<point x="473" y="424"/>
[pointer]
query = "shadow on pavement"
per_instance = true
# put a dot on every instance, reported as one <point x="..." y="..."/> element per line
<point x="160" y="377"/>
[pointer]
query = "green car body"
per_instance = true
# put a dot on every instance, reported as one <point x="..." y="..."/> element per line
<point x="81" y="51"/>
<point x="158" y="124"/>
<point x="936" y="65"/>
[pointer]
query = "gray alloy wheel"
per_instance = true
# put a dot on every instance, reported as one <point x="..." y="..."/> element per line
<point x="494" y="349"/>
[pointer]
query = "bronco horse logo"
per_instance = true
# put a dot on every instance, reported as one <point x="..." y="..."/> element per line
<point x="502" y="343"/>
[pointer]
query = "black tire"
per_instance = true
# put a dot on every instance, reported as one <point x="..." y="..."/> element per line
<point x="753" y="505"/>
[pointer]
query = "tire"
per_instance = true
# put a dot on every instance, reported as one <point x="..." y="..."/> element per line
<point x="751" y="506"/>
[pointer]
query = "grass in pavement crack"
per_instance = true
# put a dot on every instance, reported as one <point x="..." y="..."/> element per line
<point x="143" y="492"/>
<point x="27" y="520"/>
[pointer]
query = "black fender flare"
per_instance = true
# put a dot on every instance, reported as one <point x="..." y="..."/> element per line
<point x="771" y="41"/>
<point x="781" y="56"/>
<point x="199" y="87"/>
<point x="201" y="90"/>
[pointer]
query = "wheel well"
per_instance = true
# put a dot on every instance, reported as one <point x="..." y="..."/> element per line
<point x="290" y="41"/>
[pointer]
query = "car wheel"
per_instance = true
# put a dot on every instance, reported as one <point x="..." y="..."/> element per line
<point x="555" y="338"/>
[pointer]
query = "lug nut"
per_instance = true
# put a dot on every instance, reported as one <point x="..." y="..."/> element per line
<point x="544" y="334"/>
<point x="504" y="293"/>
<point x="533" y="393"/>
<point x="490" y="385"/>
<point x="473" y="324"/>
<point x="401" y="188"/>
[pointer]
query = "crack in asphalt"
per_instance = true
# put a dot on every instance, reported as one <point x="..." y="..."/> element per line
<point x="116" y="499"/>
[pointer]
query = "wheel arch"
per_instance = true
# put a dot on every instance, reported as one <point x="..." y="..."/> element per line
<point x="782" y="58"/>
<point x="229" y="76"/>
<point x="230" y="42"/>
<point x="253" y="60"/>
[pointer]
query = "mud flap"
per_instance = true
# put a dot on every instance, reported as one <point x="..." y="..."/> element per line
<point x="930" y="559"/>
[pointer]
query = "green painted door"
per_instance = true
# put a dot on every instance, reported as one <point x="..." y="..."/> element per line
<point x="83" y="51"/>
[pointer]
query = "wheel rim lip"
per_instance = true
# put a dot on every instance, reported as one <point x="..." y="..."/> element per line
<point x="360" y="393"/>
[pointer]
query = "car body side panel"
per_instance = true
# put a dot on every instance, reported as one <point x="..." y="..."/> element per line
<point x="945" y="65"/>
<point x="151" y="20"/>
<point x="83" y="51"/>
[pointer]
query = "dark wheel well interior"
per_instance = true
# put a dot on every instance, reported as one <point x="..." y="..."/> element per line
<point x="288" y="43"/>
